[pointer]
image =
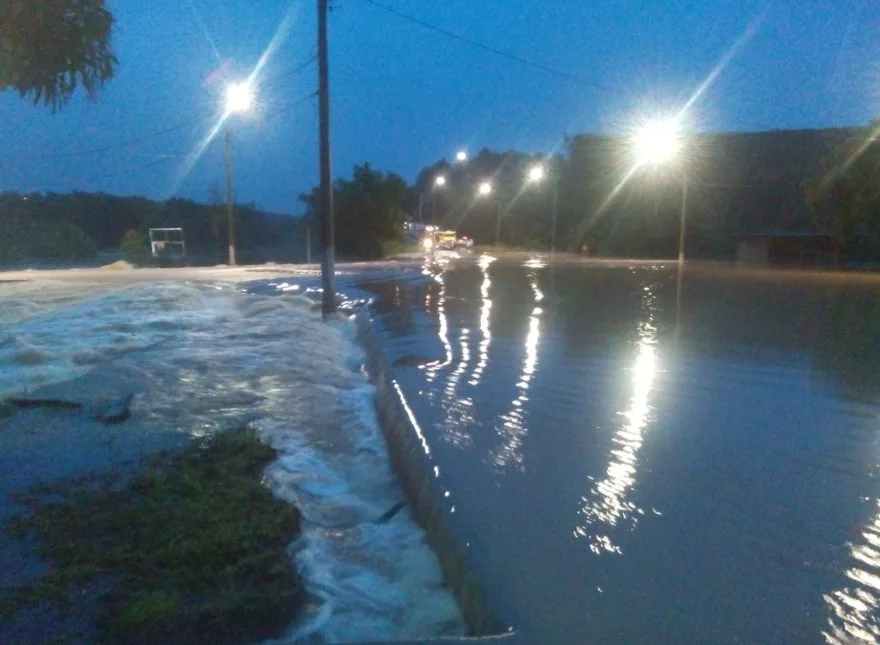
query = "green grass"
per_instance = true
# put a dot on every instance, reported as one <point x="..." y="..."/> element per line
<point x="190" y="550"/>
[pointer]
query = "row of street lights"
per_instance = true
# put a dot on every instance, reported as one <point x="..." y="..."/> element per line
<point x="656" y="143"/>
<point x="536" y="175"/>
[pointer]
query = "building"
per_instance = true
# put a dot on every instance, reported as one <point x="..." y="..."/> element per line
<point x="786" y="248"/>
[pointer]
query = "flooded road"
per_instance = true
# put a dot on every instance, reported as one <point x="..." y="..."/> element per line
<point x="634" y="464"/>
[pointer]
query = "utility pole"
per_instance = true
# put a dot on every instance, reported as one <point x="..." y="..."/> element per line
<point x="555" y="207"/>
<point x="230" y="199"/>
<point x="325" y="201"/>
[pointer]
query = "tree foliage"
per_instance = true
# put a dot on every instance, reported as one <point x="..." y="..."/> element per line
<point x="369" y="212"/>
<point x="846" y="196"/>
<point x="48" y="48"/>
<point x="105" y="219"/>
<point x="134" y="247"/>
<point x="737" y="183"/>
<point x="24" y="239"/>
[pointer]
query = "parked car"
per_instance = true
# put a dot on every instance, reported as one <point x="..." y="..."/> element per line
<point x="464" y="242"/>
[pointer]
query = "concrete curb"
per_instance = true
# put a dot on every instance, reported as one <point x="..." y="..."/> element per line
<point x="415" y="469"/>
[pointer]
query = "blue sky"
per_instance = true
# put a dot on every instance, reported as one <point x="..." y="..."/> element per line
<point x="404" y="96"/>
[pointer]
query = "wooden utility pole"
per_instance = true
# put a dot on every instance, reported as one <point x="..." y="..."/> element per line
<point x="325" y="201"/>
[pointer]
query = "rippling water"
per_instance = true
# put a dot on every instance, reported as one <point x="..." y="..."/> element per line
<point x="200" y="358"/>
<point x="634" y="460"/>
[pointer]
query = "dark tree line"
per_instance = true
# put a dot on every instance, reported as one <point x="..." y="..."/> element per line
<point x="369" y="213"/>
<point x="737" y="183"/>
<point x="96" y="221"/>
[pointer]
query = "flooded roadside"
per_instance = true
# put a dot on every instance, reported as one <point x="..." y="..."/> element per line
<point x="627" y="471"/>
<point x="200" y="358"/>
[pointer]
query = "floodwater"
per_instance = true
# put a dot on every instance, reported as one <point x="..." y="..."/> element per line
<point x="634" y="460"/>
<point x="199" y="358"/>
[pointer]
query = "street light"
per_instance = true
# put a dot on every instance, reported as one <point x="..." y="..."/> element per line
<point x="239" y="99"/>
<point x="484" y="190"/>
<point x="461" y="157"/>
<point x="658" y="143"/>
<point x="537" y="174"/>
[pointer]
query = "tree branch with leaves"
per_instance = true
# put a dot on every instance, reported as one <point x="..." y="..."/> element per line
<point x="49" y="48"/>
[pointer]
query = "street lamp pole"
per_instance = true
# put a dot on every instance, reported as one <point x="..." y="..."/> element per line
<point x="555" y="208"/>
<point x="230" y="199"/>
<point x="684" y="204"/>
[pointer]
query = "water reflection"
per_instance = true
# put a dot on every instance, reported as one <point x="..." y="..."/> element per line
<point x="458" y="412"/>
<point x="854" y="609"/>
<point x="485" y="329"/>
<point x="609" y="502"/>
<point x="512" y="427"/>
<point x="443" y="332"/>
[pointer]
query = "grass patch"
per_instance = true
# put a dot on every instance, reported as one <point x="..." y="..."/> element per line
<point x="190" y="550"/>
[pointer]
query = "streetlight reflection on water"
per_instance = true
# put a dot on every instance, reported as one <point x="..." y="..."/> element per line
<point x="485" y="328"/>
<point x="512" y="427"/>
<point x="854" y="610"/>
<point x="443" y="332"/>
<point x="608" y="502"/>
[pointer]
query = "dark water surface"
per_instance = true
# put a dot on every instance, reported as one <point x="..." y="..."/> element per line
<point x="629" y="466"/>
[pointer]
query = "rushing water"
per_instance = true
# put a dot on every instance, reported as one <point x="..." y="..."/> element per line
<point x="199" y="358"/>
<point x="634" y="459"/>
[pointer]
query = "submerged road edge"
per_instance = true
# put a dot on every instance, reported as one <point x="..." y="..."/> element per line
<point x="411" y="463"/>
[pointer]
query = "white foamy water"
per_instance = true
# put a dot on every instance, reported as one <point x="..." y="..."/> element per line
<point x="200" y="358"/>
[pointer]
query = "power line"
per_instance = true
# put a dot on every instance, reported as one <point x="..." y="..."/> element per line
<point x="290" y="106"/>
<point x="295" y="70"/>
<point x="525" y="61"/>
<point x="153" y="135"/>
<point x="165" y="158"/>
<point x="490" y="48"/>
<point x="117" y="146"/>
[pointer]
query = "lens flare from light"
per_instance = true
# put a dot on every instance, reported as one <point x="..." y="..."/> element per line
<point x="657" y="141"/>
<point x="239" y="98"/>
<point x="537" y="173"/>
<point x="484" y="189"/>
<point x="252" y="81"/>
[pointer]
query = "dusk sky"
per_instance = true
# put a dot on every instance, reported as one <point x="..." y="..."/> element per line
<point x="403" y="96"/>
